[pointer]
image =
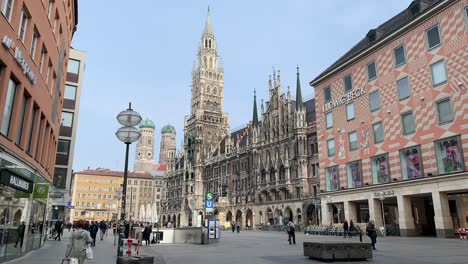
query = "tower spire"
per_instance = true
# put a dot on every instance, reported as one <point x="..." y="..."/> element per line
<point x="299" y="103"/>
<point x="208" y="23"/>
<point x="255" y="114"/>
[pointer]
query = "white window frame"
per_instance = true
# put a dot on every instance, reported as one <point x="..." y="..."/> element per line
<point x="438" y="32"/>
<point x="432" y="73"/>
<point x="373" y="132"/>
<point x="324" y="94"/>
<point x="370" y="101"/>
<point x="328" y="148"/>
<point x="35" y="37"/>
<point x="349" y="141"/>
<point x="41" y="60"/>
<point x="344" y="83"/>
<point x="23" y="22"/>
<point x="8" y="4"/>
<point x="50" y="8"/>
<point x="375" y="69"/>
<point x="403" y="123"/>
<point x="348" y="117"/>
<point x="404" y="55"/>
<point x="447" y="99"/>
<point x="398" y="89"/>
<point x="326" y="119"/>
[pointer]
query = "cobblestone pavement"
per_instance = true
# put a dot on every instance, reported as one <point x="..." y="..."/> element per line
<point x="273" y="247"/>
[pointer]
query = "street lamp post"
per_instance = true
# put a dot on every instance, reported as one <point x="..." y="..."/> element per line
<point x="382" y="198"/>
<point x="128" y="134"/>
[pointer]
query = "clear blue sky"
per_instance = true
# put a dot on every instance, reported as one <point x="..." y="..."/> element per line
<point x="143" y="52"/>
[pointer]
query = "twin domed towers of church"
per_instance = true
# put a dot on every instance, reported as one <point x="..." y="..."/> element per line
<point x="144" y="161"/>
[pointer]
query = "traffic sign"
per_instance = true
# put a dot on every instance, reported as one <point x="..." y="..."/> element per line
<point x="209" y="204"/>
<point x="209" y="196"/>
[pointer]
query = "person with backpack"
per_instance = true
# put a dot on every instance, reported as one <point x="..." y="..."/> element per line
<point x="291" y="228"/>
<point x="93" y="230"/>
<point x="372" y="233"/>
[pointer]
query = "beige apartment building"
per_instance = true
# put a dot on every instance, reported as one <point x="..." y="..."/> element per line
<point x="96" y="194"/>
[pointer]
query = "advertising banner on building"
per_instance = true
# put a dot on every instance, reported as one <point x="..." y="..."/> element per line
<point x="41" y="190"/>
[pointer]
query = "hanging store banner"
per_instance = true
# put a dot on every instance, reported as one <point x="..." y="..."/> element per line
<point x="41" y="190"/>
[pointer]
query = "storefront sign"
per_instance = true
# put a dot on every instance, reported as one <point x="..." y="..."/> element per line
<point x="12" y="180"/>
<point x="24" y="65"/>
<point x="344" y="99"/>
<point x="384" y="193"/>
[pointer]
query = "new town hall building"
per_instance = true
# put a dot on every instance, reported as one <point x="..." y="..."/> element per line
<point x="260" y="174"/>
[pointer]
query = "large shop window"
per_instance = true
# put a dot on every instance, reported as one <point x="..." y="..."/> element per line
<point x="354" y="170"/>
<point x="333" y="181"/>
<point x="449" y="155"/>
<point x="380" y="169"/>
<point x="411" y="163"/>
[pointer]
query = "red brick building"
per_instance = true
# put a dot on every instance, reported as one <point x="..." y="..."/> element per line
<point x="392" y="123"/>
<point x="35" y="41"/>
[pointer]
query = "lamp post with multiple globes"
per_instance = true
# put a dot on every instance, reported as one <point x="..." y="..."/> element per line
<point x="128" y="134"/>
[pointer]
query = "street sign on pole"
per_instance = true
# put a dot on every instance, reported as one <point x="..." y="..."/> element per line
<point x="209" y="196"/>
<point x="209" y="206"/>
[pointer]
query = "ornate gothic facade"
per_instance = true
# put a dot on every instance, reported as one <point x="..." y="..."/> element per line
<point x="260" y="174"/>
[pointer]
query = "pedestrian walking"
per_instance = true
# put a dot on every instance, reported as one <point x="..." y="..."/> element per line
<point x="233" y="226"/>
<point x="291" y="229"/>
<point x="93" y="230"/>
<point x="79" y="241"/>
<point x="372" y="233"/>
<point x="238" y="227"/>
<point x="20" y="232"/>
<point x="352" y="229"/>
<point x="147" y="234"/>
<point x="103" y="228"/>
<point x="58" y="229"/>
<point x="345" y="228"/>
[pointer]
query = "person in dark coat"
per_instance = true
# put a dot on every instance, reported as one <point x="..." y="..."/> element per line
<point x="20" y="231"/>
<point x="93" y="230"/>
<point x="372" y="233"/>
<point x="147" y="234"/>
<point x="345" y="228"/>
<point x="58" y="229"/>
<point x="352" y="229"/>
<point x="291" y="228"/>
<point x="103" y="228"/>
<point x="233" y="226"/>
